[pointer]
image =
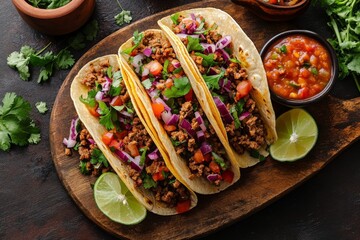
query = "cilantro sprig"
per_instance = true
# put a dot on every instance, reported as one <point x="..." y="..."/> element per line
<point x="123" y="17"/>
<point x="16" y="126"/>
<point x="48" y="62"/>
<point x="344" y="20"/>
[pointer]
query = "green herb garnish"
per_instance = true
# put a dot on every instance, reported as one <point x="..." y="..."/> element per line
<point x="16" y="127"/>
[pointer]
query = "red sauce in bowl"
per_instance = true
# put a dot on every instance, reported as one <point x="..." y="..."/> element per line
<point x="297" y="67"/>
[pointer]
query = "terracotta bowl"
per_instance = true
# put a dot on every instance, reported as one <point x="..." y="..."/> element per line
<point x="272" y="12"/>
<point x="57" y="21"/>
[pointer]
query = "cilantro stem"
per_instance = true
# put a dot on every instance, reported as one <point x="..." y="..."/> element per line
<point x="43" y="49"/>
<point x="356" y="81"/>
<point x="120" y="5"/>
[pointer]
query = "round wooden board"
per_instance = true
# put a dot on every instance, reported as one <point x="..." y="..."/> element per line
<point x="258" y="186"/>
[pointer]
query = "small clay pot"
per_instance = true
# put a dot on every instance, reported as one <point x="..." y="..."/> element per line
<point x="59" y="21"/>
<point x="272" y="12"/>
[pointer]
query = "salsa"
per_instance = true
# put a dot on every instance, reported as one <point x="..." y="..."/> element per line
<point x="297" y="67"/>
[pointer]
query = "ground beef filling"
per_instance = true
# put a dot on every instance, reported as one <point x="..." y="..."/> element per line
<point x="187" y="145"/>
<point x="252" y="133"/>
<point x="170" y="190"/>
<point x="85" y="147"/>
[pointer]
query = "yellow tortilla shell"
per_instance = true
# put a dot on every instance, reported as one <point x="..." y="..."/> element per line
<point x="247" y="53"/>
<point x="199" y="184"/>
<point x="144" y="196"/>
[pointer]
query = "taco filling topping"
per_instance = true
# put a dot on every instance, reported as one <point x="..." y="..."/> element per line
<point x="127" y="137"/>
<point x="227" y="79"/>
<point x="177" y="108"/>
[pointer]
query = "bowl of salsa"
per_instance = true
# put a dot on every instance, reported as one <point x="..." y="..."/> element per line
<point x="301" y="67"/>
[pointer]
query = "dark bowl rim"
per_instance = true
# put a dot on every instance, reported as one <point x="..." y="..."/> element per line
<point x="297" y="5"/>
<point x="334" y="61"/>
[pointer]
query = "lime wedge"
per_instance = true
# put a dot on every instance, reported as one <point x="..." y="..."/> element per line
<point x="116" y="201"/>
<point x="297" y="134"/>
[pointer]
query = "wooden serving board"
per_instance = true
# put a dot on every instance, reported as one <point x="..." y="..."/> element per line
<point x="338" y="122"/>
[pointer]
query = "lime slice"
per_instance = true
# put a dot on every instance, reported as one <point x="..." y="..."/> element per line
<point x="116" y="201"/>
<point x="297" y="134"/>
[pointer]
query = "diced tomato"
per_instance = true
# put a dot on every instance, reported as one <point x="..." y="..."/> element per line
<point x="169" y="83"/>
<point x="116" y="101"/>
<point x="169" y="128"/>
<point x="134" y="53"/>
<point x="121" y="135"/>
<point x="198" y="156"/>
<point x="208" y="157"/>
<point x="228" y="176"/>
<point x="303" y="93"/>
<point x="214" y="167"/>
<point x="158" y="108"/>
<point x="243" y="89"/>
<point x="183" y="206"/>
<point x="115" y="144"/>
<point x="107" y="137"/>
<point x="133" y="148"/>
<point x="273" y="1"/>
<point x="159" y="176"/>
<point x="93" y="111"/>
<point x="155" y="68"/>
<point x="171" y="68"/>
<point x="189" y="95"/>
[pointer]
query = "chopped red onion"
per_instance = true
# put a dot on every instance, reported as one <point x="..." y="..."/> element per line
<point x="147" y="52"/>
<point x="173" y="120"/>
<point x="223" y="42"/>
<point x="224" y="112"/>
<point x="192" y="15"/>
<point x="145" y="72"/>
<point x="135" y="164"/>
<point x="200" y="120"/>
<point x="213" y="177"/>
<point x="243" y="115"/>
<point x="101" y="96"/>
<point x="205" y="148"/>
<point x="183" y="35"/>
<point x="166" y="115"/>
<point x="71" y="141"/>
<point x="200" y="136"/>
<point x="186" y="125"/>
<point x="91" y="141"/>
<point x="106" y="85"/>
<point x="224" y="54"/>
<point x="126" y="114"/>
<point x="176" y="63"/>
<point x="154" y="154"/>
<point x="136" y="61"/>
<point x="208" y="47"/>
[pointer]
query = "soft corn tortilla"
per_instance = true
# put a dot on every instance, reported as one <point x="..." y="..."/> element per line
<point x="96" y="130"/>
<point x="246" y="52"/>
<point x="200" y="184"/>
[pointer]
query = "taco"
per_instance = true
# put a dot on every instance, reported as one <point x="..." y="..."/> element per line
<point x="229" y="69"/>
<point x="164" y="93"/>
<point x="107" y="110"/>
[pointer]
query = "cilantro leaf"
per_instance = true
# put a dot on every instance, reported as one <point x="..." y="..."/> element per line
<point x="137" y="38"/>
<point x="19" y="61"/>
<point x="180" y="88"/>
<point x="123" y="17"/>
<point x="194" y="44"/>
<point x="208" y="60"/>
<point x="16" y="127"/>
<point x="41" y="107"/>
<point x="64" y="59"/>
<point x="212" y="81"/>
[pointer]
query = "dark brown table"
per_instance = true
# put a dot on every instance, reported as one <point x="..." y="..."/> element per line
<point x="35" y="204"/>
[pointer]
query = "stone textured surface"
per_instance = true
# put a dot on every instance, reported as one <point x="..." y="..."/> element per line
<point x="35" y="204"/>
